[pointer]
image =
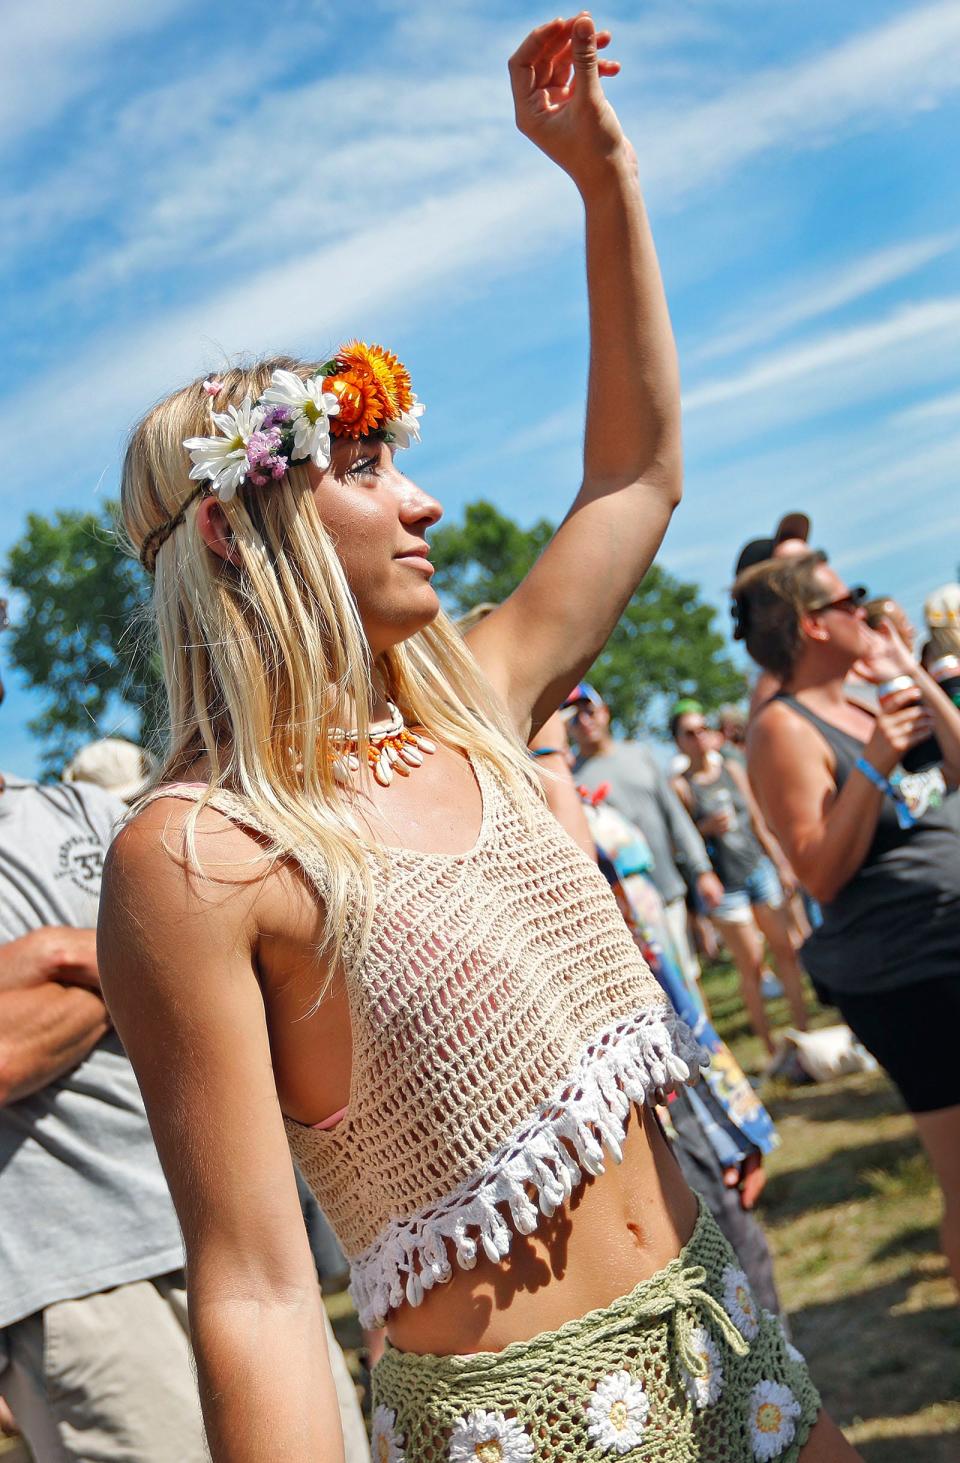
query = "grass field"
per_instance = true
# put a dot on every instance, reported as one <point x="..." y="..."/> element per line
<point x="851" y="1210"/>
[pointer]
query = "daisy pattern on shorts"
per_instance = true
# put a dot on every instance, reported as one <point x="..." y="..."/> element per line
<point x="704" y="1391"/>
<point x="738" y="1302"/>
<point x="772" y="1414"/>
<point x="386" y="1444"/>
<point x="617" y="1412"/>
<point x="489" y="1437"/>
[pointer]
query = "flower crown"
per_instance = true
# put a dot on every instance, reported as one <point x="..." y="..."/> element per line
<point x="363" y="391"/>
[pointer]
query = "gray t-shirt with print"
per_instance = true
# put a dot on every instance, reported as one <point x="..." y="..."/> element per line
<point x="83" y="1202"/>
<point x="640" y="791"/>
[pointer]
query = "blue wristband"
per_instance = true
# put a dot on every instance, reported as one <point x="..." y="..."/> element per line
<point x="904" y="816"/>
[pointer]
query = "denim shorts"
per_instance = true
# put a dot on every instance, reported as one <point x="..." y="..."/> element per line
<point x="761" y="886"/>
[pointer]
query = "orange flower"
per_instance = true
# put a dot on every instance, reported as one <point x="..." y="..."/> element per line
<point x="362" y="408"/>
<point x="391" y="375"/>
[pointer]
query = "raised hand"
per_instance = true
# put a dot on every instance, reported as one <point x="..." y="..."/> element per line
<point x="887" y="657"/>
<point x="559" y="100"/>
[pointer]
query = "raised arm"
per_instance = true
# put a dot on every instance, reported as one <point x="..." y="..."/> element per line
<point x="177" y="964"/>
<point x="537" y="644"/>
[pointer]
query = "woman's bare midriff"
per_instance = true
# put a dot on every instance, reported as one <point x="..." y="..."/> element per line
<point x="616" y="1230"/>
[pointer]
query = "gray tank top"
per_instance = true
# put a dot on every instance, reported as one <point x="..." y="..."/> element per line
<point x="736" y="853"/>
<point x="897" y="922"/>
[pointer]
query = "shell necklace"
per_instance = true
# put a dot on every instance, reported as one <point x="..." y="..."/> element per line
<point x="391" y="748"/>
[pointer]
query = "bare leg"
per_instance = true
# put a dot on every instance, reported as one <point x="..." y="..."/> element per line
<point x="940" y="1136"/>
<point x="743" y="942"/>
<point x="826" y="1444"/>
<point x="776" y="929"/>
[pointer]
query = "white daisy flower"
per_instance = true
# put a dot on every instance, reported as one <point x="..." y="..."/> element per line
<point x="386" y="1444"/>
<point x="310" y="409"/>
<point x="704" y="1391"/>
<point x="489" y="1437"/>
<point x="223" y="459"/>
<point x="738" y="1302"/>
<point x="617" y="1412"/>
<point x="405" y="428"/>
<point x="773" y="1412"/>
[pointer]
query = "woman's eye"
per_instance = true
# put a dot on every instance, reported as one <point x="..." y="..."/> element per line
<point x="366" y="467"/>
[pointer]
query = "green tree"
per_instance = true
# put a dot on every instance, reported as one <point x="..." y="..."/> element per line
<point x="82" y="639"/>
<point x="666" y="644"/>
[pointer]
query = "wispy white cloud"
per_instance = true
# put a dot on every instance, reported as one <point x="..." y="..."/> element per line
<point x="936" y="321"/>
<point x="908" y="64"/>
<point x="935" y="409"/>
<point x="307" y="303"/>
<point x="812" y="298"/>
<point x="53" y="53"/>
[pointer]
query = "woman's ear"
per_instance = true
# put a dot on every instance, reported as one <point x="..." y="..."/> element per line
<point x="814" y="628"/>
<point x="215" y="530"/>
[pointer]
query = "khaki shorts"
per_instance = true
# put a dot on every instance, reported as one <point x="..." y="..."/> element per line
<point x="109" y="1378"/>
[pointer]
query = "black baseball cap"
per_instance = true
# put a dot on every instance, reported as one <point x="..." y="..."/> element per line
<point x="757" y="550"/>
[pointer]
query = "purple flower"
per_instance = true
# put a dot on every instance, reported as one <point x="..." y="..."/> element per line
<point x="275" y="416"/>
<point x="262" y="446"/>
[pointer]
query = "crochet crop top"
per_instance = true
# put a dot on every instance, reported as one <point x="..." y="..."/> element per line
<point x="503" y="1025"/>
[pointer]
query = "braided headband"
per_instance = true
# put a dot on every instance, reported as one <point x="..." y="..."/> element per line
<point x="363" y="391"/>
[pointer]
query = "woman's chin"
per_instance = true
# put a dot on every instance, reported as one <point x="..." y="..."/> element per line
<point x="407" y="620"/>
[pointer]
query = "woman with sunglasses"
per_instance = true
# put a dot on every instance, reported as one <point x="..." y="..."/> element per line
<point x="876" y="846"/>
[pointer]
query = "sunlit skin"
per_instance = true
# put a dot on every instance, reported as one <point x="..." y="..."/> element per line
<point x="243" y="1045"/>
<point x="378" y="517"/>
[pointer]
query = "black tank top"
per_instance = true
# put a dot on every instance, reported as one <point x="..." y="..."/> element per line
<point x="897" y="921"/>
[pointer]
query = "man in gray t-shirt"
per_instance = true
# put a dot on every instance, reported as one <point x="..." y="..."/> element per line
<point x="640" y="791"/>
<point x="94" y="1352"/>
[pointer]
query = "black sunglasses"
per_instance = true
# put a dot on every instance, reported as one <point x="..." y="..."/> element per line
<point x="848" y="602"/>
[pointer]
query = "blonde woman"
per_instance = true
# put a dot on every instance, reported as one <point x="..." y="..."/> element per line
<point x="347" y="923"/>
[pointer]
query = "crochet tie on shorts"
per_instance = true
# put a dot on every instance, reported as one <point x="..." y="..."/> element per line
<point x="681" y="1289"/>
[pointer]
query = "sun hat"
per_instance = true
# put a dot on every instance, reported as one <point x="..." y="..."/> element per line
<point x="942" y="607"/>
<point x="113" y="763"/>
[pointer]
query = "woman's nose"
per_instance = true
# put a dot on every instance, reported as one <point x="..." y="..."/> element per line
<point x="416" y="506"/>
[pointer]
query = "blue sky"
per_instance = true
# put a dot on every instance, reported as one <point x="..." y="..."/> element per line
<point x="183" y="184"/>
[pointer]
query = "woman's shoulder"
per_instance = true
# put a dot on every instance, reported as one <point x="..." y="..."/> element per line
<point x="173" y="840"/>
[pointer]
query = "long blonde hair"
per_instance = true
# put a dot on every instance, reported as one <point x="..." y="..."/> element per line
<point x="265" y="656"/>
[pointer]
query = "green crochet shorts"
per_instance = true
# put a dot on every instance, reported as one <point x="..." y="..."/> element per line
<point x="686" y="1367"/>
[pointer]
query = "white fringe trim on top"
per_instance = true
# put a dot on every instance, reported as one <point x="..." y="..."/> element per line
<point x="630" y="1061"/>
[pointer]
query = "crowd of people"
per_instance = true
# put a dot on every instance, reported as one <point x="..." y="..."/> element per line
<point x="398" y="967"/>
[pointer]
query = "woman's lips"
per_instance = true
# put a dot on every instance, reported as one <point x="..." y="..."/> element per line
<point x="419" y="560"/>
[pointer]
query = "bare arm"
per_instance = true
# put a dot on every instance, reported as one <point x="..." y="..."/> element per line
<point x="177" y="960"/>
<point x="758" y="823"/>
<point x="45" y="1030"/>
<point x="826" y="835"/>
<point x="559" y="788"/>
<point x="53" y="952"/>
<point x="543" y="638"/>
